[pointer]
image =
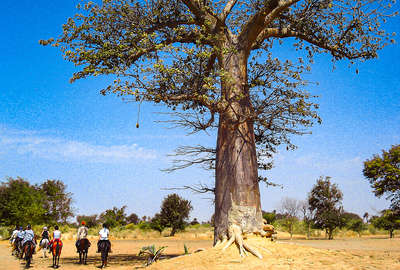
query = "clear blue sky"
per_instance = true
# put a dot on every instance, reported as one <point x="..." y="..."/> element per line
<point x="51" y="129"/>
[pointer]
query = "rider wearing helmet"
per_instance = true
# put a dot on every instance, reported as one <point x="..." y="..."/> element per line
<point x="29" y="236"/>
<point x="45" y="235"/>
<point x="82" y="234"/>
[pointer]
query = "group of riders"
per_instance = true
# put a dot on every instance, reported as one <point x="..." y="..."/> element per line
<point x="21" y="237"/>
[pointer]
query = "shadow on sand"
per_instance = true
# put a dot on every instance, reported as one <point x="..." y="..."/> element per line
<point x="117" y="259"/>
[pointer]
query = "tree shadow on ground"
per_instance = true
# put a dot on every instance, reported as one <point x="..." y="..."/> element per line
<point x="117" y="259"/>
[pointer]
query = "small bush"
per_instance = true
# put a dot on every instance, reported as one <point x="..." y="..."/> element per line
<point x="130" y="226"/>
<point x="144" y="226"/>
<point x="5" y="232"/>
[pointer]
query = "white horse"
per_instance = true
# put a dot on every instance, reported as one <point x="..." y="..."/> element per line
<point x="44" y="244"/>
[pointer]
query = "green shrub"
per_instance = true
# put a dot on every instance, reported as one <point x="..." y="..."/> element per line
<point x="5" y="232"/>
<point x="144" y="226"/>
<point x="130" y="226"/>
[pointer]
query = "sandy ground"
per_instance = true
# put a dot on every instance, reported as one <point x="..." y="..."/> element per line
<point x="124" y="254"/>
<point x="284" y="254"/>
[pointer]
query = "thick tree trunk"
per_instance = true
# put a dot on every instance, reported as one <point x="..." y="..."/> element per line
<point x="237" y="195"/>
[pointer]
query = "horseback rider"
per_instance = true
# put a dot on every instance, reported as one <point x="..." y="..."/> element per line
<point x="20" y="236"/>
<point x="82" y="234"/>
<point x="45" y="235"/>
<point x="56" y="238"/>
<point x="14" y="235"/>
<point x="103" y="237"/>
<point x="29" y="236"/>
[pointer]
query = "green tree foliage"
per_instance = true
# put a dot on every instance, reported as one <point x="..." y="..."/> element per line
<point x="57" y="201"/>
<point x="114" y="217"/>
<point x="388" y="220"/>
<point x="325" y="199"/>
<point x="91" y="221"/>
<point x="383" y="173"/>
<point x="353" y="222"/>
<point x="132" y="218"/>
<point x="174" y="212"/>
<point x="156" y="223"/>
<point x="21" y="203"/>
<point x="270" y="217"/>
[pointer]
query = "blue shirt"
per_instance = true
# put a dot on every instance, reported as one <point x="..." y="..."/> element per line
<point x="28" y="236"/>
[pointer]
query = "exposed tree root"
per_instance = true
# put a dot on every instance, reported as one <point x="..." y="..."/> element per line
<point x="236" y="236"/>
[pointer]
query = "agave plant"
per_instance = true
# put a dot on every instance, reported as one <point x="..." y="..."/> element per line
<point x="151" y="253"/>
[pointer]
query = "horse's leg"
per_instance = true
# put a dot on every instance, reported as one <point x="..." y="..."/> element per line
<point x="58" y="255"/>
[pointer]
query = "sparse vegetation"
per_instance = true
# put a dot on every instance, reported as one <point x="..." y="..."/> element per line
<point x="151" y="253"/>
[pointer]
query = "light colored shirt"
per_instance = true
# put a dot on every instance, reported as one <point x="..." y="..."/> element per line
<point x="56" y="234"/>
<point x="14" y="234"/>
<point x="82" y="233"/>
<point x="28" y="236"/>
<point x="20" y="234"/>
<point x="104" y="234"/>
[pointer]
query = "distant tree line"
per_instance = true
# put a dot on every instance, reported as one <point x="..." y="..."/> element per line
<point x="174" y="214"/>
<point x="22" y="203"/>
<point x="323" y="210"/>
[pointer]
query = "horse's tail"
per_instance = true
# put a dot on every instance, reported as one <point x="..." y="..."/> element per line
<point x="58" y="248"/>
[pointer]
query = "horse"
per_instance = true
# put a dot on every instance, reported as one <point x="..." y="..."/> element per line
<point x="56" y="247"/>
<point x="104" y="247"/>
<point x="28" y="250"/>
<point x="16" y="248"/>
<point x="83" y="248"/>
<point x="44" y="244"/>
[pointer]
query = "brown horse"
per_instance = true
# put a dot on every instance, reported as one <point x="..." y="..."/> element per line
<point x="28" y="250"/>
<point x="56" y="247"/>
<point x="83" y="247"/>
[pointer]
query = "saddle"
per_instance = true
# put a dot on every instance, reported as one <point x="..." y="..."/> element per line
<point x="53" y="244"/>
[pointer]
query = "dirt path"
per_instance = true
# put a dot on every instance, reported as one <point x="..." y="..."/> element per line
<point x="8" y="262"/>
<point x="124" y="256"/>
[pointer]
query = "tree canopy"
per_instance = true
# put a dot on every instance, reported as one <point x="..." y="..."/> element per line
<point x="325" y="200"/>
<point x="383" y="173"/>
<point x="174" y="213"/>
<point x="23" y="203"/>
<point x="58" y="202"/>
<point x="114" y="217"/>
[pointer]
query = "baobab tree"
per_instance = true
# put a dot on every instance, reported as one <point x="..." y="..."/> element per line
<point x="214" y="60"/>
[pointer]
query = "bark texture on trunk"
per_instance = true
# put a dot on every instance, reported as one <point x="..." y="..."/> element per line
<point x="237" y="195"/>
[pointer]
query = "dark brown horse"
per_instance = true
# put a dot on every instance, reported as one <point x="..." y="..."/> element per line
<point x="28" y="250"/>
<point x="83" y="248"/>
<point x="56" y="248"/>
<point x="104" y="247"/>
